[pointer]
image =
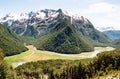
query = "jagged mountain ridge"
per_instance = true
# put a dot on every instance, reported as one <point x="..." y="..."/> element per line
<point x="42" y="22"/>
<point x="33" y="23"/>
<point x="39" y="21"/>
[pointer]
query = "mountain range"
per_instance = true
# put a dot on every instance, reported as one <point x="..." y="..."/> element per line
<point x="113" y="34"/>
<point x="56" y="29"/>
<point x="102" y="29"/>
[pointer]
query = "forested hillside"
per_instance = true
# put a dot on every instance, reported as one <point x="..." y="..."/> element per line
<point x="3" y="66"/>
<point x="64" y="39"/>
<point x="10" y="42"/>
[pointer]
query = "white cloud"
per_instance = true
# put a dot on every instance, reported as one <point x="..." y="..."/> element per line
<point x="103" y="14"/>
<point x="100" y="8"/>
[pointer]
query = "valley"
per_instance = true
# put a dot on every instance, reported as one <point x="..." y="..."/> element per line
<point x="33" y="55"/>
<point x="57" y="45"/>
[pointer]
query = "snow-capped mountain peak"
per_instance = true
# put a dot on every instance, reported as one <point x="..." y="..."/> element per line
<point x="14" y="17"/>
<point x="9" y="16"/>
<point x="41" y="14"/>
<point x="40" y="20"/>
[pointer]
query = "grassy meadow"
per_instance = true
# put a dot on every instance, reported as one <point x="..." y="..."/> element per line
<point x="34" y="55"/>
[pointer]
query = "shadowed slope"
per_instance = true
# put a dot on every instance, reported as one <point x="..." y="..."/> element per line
<point x="63" y="39"/>
<point x="10" y="42"/>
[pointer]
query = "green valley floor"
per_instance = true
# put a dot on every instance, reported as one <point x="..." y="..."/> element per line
<point x="35" y="55"/>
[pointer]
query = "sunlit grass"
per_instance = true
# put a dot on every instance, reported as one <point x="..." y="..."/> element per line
<point x="34" y="55"/>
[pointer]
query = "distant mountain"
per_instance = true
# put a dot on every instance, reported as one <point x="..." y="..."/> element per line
<point x="102" y="29"/>
<point x="10" y="42"/>
<point x="64" y="39"/>
<point x="113" y="34"/>
<point x="110" y="32"/>
<point x="117" y="42"/>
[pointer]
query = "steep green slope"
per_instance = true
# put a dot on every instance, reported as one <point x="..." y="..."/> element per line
<point x="100" y="37"/>
<point x="10" y="42"/>
<point x="64" y="39"/>
<point x="87" y="29"/>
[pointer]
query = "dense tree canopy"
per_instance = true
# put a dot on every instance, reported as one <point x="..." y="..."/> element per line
<point x="69" y="69"/>
<point x="10" y="43"/>
<point x="64" y="39"/>
<point x="3" y="66"/>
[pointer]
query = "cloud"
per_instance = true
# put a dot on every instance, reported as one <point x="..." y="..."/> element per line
<point x="103" y="14"/>
<point x="100" y="8"/>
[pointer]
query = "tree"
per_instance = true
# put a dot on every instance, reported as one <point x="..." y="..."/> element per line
<point x="3" y="69"/>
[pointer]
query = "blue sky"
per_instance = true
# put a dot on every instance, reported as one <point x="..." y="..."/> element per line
<point x="102" y="13"/>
